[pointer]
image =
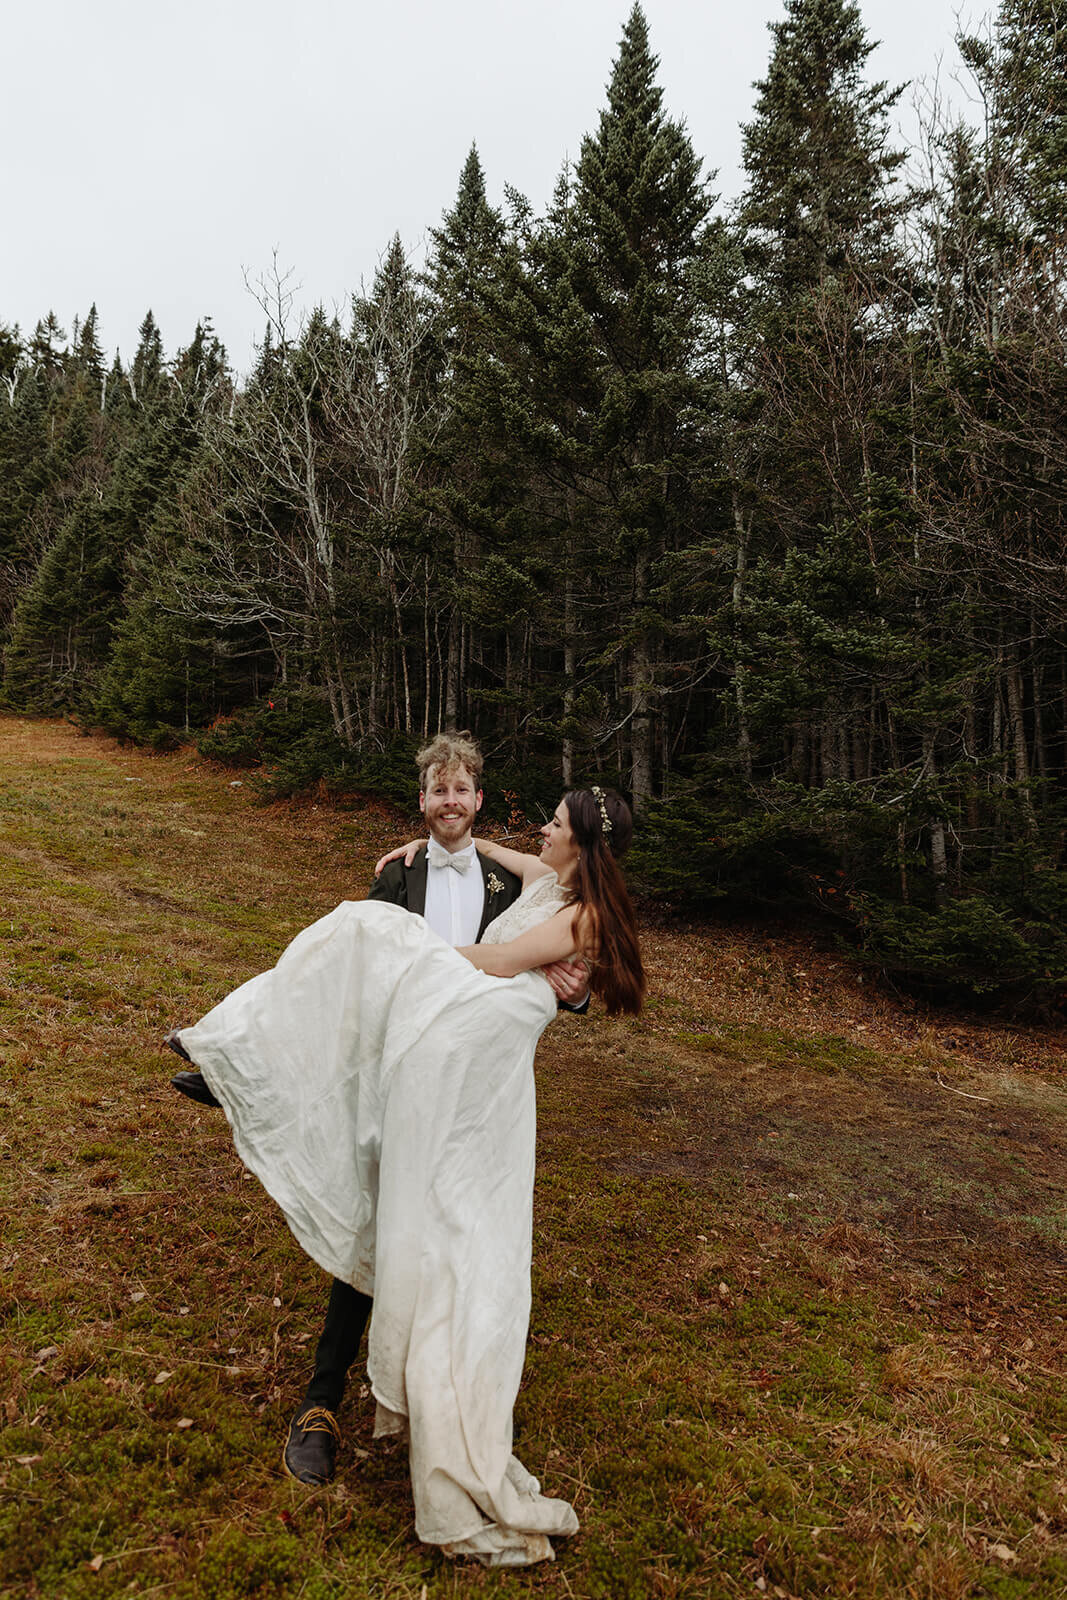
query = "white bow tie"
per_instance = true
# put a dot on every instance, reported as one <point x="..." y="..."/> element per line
<point x="438" y="856"/>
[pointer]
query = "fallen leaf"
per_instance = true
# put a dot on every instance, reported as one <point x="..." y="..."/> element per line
<point x="137" y="1294"/>
<point x="161" y="1377"/>
<point x="96" y="1563"/>
<point x="1002" y="1552"/>
<point x="47" y="1353"/>
<point x="184" y="1422"/>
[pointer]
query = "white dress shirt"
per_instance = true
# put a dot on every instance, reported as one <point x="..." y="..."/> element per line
<point x="455" y="900"/>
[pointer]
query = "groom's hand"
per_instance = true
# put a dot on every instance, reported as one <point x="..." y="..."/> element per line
<point x="569" y="980"/>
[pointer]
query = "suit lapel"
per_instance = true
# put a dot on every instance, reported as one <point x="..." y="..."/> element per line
<point x="493" y="904"/>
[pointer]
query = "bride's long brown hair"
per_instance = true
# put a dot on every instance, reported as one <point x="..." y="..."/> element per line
<point x="603" y="827"/>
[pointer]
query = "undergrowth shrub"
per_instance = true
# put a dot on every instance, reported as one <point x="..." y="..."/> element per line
<point x="992" y="929"/>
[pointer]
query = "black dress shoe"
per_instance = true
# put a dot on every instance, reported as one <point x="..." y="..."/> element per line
<point x="173" y="1042"/>
<point x="192" y="1084"/>
<point x="310" y="1454"/>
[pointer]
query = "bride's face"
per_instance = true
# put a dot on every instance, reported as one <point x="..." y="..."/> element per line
<point x="559" y="849"/>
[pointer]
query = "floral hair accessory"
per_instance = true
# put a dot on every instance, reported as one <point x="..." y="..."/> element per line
<point x="495" y="885"/>
<point x="598" y="795"/>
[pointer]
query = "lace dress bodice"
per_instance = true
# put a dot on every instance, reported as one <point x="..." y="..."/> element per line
<point x="538" y="901"/>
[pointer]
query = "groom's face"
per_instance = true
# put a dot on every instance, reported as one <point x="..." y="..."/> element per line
<point x="450" y="802"/>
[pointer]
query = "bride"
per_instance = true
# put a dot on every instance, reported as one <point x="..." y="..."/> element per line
<point x="379" y="1084"/>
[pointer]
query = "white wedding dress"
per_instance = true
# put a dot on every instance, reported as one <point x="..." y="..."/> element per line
<point x="381" y="1088"/>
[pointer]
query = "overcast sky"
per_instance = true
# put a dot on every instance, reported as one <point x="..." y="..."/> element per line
<point x="157" y="151"/>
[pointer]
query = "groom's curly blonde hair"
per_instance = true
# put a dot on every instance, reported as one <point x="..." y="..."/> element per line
<point x="447" y="752"/>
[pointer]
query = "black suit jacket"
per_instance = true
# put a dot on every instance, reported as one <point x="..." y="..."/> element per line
<point x="406" y="886"/>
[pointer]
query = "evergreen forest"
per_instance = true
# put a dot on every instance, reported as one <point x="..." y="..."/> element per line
<point x="758" y="512"/>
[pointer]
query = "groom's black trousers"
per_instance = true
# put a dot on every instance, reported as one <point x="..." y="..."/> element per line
<point x="338" y="1346"/>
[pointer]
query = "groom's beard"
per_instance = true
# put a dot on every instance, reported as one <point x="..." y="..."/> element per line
<point x="450" y="822"/>
<point x="452" y="836"/>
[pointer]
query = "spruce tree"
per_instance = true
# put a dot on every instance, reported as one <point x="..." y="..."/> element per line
<point x="1021" y="71"/>
<point x="65" y="617"/>
<point x="819" y="164"/>
<point x="639" y="207"/>
<point x="11" y="353"/>
<point x="146" y="674"/>
<point x="464" y="260"/>
<point x="46" y="353"/>
<point x="147" y="371"/>
<point x="462" y="276"/>
<point x="87" y="356"/>
<point x="817" y="508"/>
<point x="600" y="327"/>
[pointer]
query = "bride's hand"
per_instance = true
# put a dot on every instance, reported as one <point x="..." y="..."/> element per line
<point x="409" y="851"/>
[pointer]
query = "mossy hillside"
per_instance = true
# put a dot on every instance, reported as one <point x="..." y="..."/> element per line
<point x="798" y="1297"/>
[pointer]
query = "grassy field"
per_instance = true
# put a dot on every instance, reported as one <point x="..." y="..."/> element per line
<point x="800" y="1263"/>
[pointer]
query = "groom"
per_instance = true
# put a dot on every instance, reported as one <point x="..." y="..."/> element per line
<point x="451" y="885"/>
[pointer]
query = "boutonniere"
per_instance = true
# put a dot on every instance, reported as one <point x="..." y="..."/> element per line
<point x="495" y="885"/>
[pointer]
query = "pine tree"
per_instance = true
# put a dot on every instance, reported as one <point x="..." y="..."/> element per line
<point x="819" y="165"/>
<point x="11" y="354"/>
<point x="117" y="396"/>
<point x="146" y="374"/>
<point x="462" y="276"/>
<point x="464" y="259"/>
<point x="87" y="356"/>
<point x="639" y="207"/>
<point x="46" y="353"/>
<point x="1021" y="72"/>
<point x="65" y="617"/>
<point x="599" y="328"/>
